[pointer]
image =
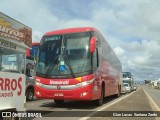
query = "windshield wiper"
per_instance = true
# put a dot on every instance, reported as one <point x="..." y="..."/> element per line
<point x="58" y="60"/>
<point x="52" y="66"/>
<point x="68" y="64"/>
<point x="65" y="57"/>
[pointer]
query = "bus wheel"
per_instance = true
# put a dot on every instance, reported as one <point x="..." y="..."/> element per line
<point x="30" y="94"/>
<point x="118" y="93"/>
<point x="59" y="102"/>
<point x="99" y="101"/>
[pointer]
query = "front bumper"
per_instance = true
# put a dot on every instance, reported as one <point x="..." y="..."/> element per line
<point x="128" y="90"/>
<point x="82" y="93"/>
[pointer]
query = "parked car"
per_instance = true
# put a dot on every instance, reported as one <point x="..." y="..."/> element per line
<point x="29" y="89"/>
<point x="128" y="87"/>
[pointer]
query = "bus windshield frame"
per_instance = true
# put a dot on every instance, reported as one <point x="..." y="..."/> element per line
<point x="64" y="56"/>
<point x="126" y="75"/>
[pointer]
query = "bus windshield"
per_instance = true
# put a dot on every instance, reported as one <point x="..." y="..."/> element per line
<point x="64" y="55"/>
<point x="126" y="85"/>
<point x="126" y="75"/>
<point x="127" y="81"/>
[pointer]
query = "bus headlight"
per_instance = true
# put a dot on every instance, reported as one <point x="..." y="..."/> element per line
<point x="85" y="83"/>
<point x="38" y="83"/>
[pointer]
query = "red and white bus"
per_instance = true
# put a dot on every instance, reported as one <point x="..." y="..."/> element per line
<point x="76" y="64"/>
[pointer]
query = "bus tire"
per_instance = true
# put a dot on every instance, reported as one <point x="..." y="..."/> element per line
<point x="30" y="94"/>
<point x="118" y="92"/>
<point x="99" y="101"/>
<point x="59" y="102"/>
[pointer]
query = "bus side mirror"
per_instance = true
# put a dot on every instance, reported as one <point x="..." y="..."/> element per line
<point x="92" y="44"/>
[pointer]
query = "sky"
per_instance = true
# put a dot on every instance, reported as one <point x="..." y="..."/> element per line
<point x="131" y="27"/>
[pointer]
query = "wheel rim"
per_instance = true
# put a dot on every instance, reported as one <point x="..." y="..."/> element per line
<point x="30" y="95"/>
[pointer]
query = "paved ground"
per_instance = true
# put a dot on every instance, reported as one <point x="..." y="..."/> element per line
<point x="138" y="101"/>
<point x="130" y="104"/>
<point x="154" y="93"/>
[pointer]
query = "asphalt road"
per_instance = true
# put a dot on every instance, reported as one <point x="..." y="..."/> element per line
<point x="154" y="94"/>
<point x="73" y="110"/>
<point x="133" y="105"/>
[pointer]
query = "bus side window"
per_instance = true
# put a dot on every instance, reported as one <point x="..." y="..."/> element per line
<point x="95" y="60"/>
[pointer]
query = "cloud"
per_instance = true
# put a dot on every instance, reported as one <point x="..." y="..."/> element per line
<point x="119" y="51"/>
<point x="133" y="46"/>
<point x="144" y="61"/>
<point x="32" y="13"/>
<point x="130" y="27"/>
<point x="37" y="35"/>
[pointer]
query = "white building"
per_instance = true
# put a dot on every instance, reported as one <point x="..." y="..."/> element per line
<point x="154" y="83"/>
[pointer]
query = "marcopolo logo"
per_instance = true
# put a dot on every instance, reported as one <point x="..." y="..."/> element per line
<point x="65" y="82"/>
<point x="8" y="86"/>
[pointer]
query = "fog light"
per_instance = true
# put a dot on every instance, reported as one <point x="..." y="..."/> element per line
<point x="84" y="94"/>
<point x="38" y="93"/>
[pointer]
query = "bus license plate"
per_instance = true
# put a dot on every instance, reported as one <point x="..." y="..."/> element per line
<point x="58" y="94"/>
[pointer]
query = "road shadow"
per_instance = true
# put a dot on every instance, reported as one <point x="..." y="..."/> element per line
<point x="69" y="105"/>
<point x="34" y="99"/>
<point x="69" y="108"/>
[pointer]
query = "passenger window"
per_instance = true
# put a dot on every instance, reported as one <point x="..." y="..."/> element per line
<point x="95" y="60"/>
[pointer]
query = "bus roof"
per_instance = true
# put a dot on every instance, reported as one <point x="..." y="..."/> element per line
<point x="71" y="30"/>
<point x="35" y="44"/>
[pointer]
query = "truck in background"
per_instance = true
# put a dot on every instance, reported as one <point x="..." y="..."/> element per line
<point x="128" y="78"/>
<point x="15" y="38"/>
